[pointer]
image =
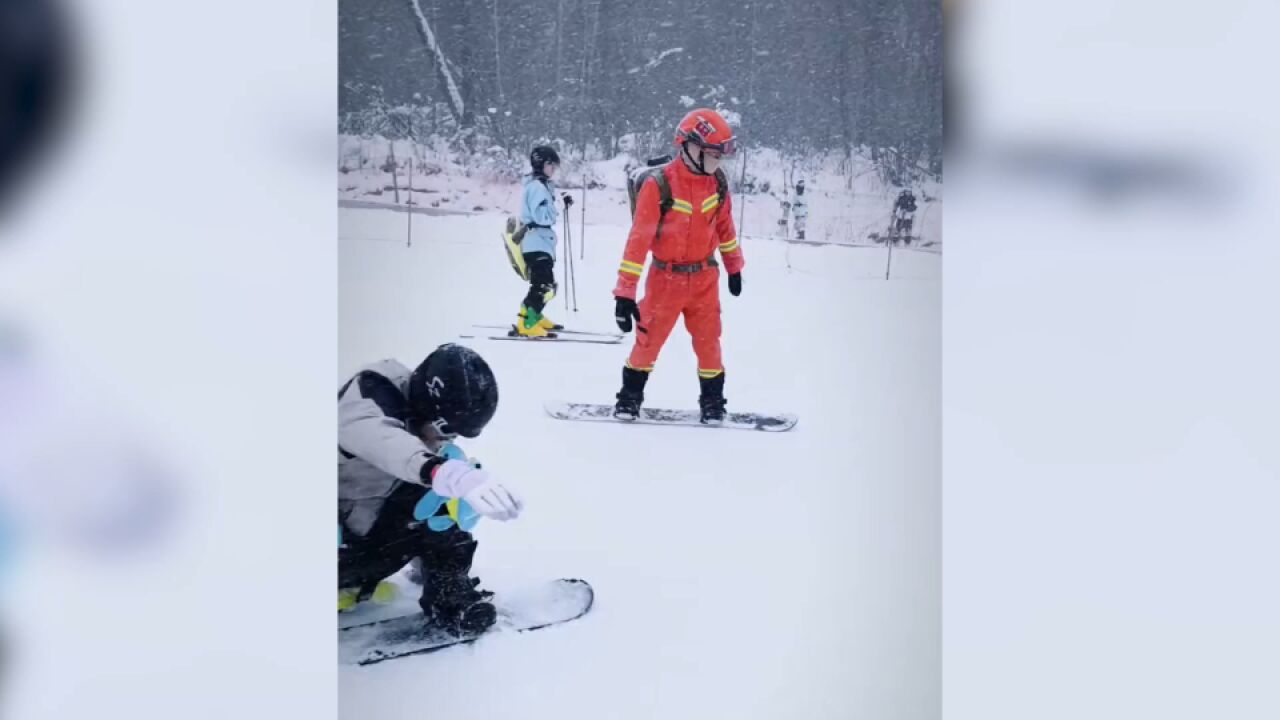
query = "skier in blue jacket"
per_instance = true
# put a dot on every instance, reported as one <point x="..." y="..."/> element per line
<point x="538" y="213"/>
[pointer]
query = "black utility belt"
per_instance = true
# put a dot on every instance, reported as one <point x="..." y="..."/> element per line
<point x="685" y="267"/>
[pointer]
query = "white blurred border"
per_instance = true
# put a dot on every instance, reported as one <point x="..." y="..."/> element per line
<point x="1110" y="465"/>
<point x="180" y="256"/>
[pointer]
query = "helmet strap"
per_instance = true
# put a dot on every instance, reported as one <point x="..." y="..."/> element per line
<point x="695" y="164"/>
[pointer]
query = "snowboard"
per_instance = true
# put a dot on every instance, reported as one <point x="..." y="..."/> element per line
<point x="659" y="416"/>
<point x="525" y="610"/>
<point x="905" y="239"/>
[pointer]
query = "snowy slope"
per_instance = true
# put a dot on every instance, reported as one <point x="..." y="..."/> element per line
<point x="738" y="574"/>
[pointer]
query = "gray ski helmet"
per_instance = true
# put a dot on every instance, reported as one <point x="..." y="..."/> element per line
<point x="454" y="390"/>
<point x="542" y="155"/>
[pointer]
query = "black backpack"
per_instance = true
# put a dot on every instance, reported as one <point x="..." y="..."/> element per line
<point x="654" y="169"/>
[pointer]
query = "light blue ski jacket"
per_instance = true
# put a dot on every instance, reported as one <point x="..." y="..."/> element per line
<point x="539" y="208"/>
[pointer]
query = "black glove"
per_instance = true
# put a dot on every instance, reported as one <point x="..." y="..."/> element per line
<point x="623" y="310"/>
<point x="735" y="284"/>
<point x="568" y="199"/>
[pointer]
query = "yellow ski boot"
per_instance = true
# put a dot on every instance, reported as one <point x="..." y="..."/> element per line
<point x="530" y="323"/>
<point x="545" y="323"/>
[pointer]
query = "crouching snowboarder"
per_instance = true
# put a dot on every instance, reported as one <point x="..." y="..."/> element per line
<point x="395" y="429"/>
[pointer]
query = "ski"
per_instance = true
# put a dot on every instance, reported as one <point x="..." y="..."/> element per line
<point x="532" y="608"/>
<point x="657" y="416"/>
<point x="558" y="329"/>
<point x="548" y="338"/>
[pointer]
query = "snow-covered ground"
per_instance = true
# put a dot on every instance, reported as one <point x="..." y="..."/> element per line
<point x="738" y="574"/>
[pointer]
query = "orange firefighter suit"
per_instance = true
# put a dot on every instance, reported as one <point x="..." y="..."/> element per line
<point x="684" y="278"/>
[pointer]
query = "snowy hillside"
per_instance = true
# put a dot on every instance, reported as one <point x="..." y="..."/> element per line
<point x="846" y="204"/>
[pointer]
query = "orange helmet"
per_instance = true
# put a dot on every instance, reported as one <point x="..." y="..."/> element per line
<point x="706" y="128"/>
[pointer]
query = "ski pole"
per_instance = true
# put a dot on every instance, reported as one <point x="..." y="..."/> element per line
<point x="568" y="258"/>
<point x="742" y="213"/>
<point x="572" y="284"/>
<point x="574" y="275"/>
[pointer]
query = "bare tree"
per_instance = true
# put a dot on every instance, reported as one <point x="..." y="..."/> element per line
<point x="846" y="76"/>
<point x="441" y="63"/>
<point x="497" y="55"/>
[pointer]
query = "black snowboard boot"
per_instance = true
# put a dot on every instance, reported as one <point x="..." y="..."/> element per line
<point x="631" y="395"/>
<point x="712" y="401"/>
<point x="451" y="599"/>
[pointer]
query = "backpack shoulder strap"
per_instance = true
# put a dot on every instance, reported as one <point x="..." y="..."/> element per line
<point x="665" y="200"/>
<point x="664" y="189"/>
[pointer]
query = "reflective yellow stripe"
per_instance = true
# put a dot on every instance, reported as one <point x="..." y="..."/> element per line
<point x="729" y="246"/>
<point x="631" y="268"/>
<point x="683" y="206"/>
<point x="710" y="203"/>
<point x="641" y="369"/>
<point x="708" y="374"/>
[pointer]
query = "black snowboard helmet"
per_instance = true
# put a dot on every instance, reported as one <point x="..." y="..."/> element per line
<point x="453" y="390"/>
<point x="542" y="155"/>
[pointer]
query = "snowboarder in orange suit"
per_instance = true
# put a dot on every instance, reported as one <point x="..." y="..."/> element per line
<point x="684" y="276"/>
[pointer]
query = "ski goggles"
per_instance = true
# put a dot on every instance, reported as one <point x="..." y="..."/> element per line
<point x="439" y="433"/>
<point x="726" y="148"/>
